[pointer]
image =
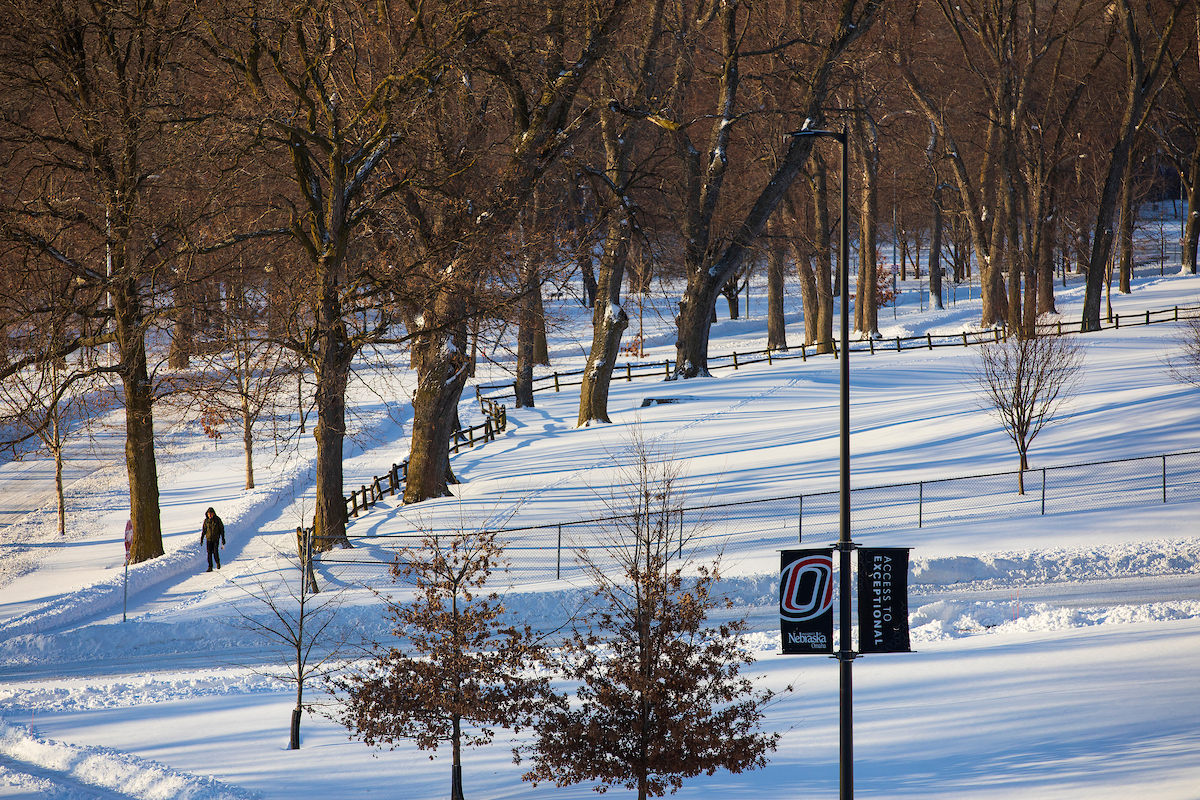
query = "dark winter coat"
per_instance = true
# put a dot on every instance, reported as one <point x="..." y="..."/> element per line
<point x="213" y="528"/>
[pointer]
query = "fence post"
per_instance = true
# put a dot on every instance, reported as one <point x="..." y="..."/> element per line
<point x="769" y="361"/>
<point x="735" y="364"/>
<point x="897" y="344"/>
<point x="667" y="368"/>
<point x="964" y="338"/>
<point x="871" y="341"/>
<point x="1043" y="491"/>
<point x="1147" y="316"/>
<point x="679" y="552"/>
<point x="1164" y="482"/>
<point x="628" y="372"/>
<point x="921" y="504"/>
<point x="558" y="566"/>
<point x="929" y="338"/>
<point x="1118" y="321"/>
<point x="803" y="355"/>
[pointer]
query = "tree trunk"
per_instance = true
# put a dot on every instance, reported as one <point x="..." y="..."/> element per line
<point x="776" y="324"/>
<point x="1029" y="309"/>
<point x="139" y="428"/>
<point x="1191" y="230"/>
<point x="332" y="374"/>
<point x="1009" y="207"/>
<point x="826" y="279"/>
<point x="331" y="359"/>
<point x="456" y="787"/>
<point x="248" y="442"/>
<point x="523" y="385"/>
<point x="541" y="348"/>
<point x="866" y="305"/>
<point x="809" y="297"/>
<point x="693" y="323"/>
<point x="183" y="332"/>
<point x="609" y="322"/>
<point x="141" y="467"/>
<point x="441" y="375"/>
<point x="935" y="250"/>
<point x="730" y="292"/>
<point x="589" y="279"/>
<point x="58" y="479"/>
<point x="1047" y="244"/>
<point x="1125" y="270"/>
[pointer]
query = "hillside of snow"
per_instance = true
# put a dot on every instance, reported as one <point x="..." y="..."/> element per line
<point x="1055" y="654"/>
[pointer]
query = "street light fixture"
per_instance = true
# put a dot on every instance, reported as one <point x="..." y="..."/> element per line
<point x="845" y="655"/>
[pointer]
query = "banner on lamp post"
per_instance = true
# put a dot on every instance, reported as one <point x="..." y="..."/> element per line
<point x="883" y="600"/>
<point x="806" y="601"/>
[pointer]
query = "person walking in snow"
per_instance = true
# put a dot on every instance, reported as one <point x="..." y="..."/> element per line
<point x="211" y="533"/>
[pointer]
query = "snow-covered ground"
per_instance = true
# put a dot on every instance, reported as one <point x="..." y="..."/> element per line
<point x="1055" y="656"/>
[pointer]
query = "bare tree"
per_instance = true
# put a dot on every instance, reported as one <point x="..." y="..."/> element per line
<point x="1147" y="42"/>
<point x="327" y="91"/>
<point x="533" y="61"/>
<point x="1185" y="367"/>
<point x="714" y="252"/>
<point x="660" y="695"/>
<point x="246" y="380"/>
<point x="301" y="631"/>
<point x="44" y="403"/>
<point x="1025" y="383"/>
<point x="463" y="673"/>
<point x="621" y="136"/>
<point x="109" y="173"/>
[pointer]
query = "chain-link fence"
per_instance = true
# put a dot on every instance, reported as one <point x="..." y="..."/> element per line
<point x="762" y="526"/>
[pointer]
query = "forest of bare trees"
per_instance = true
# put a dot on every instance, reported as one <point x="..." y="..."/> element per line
<point x="221" y="198"/>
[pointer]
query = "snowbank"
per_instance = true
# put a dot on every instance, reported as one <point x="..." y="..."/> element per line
<point x="100" y="767"/>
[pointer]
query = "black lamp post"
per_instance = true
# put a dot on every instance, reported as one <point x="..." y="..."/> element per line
<point x="845" y="655"/>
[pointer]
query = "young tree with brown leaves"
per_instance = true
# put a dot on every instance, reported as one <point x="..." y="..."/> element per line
<point x="661" y="695"/>
<point x="461" y="670"/>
